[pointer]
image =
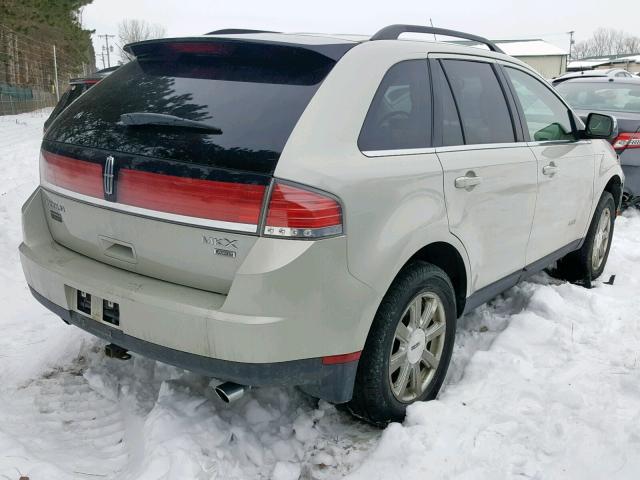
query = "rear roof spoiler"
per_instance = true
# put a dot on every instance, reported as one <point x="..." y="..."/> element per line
<point x="392" y="32"/>
<point x="333" y="51"/>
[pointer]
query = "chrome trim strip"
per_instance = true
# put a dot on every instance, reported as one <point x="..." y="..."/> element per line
<point x="397" y="152"/>
<point x="550" y="143"/>
<point x="152" y="214"/>
<point x="481" y="146"/>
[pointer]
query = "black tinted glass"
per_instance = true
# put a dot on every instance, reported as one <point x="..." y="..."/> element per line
<point x="483" y="108"/>
<point x="66" y="99"/>
<point x="400" y="114"/>
<point x="252" y="99"/>
<point x="450" y="130"/>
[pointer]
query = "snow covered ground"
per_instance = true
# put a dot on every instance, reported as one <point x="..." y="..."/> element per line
<point x="545" y="384"/>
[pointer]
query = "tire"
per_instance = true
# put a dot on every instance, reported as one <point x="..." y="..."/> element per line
<point x="379" y="396"/>
<point x="589" y="261"/>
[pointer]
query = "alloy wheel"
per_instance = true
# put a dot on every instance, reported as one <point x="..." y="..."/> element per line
<point x="601" y="240"/>
<point x="417" y="347"/>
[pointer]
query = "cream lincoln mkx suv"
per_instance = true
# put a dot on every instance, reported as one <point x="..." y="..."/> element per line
<point x="312" y="210"/>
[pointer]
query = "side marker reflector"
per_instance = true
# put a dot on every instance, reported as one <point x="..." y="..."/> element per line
<point x="344" y="358"/>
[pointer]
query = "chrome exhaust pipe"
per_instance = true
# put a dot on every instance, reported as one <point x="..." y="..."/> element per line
<point x="230" y="392"/>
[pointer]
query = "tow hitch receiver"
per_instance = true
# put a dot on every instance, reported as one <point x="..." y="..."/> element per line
<point x="114" y="351"/>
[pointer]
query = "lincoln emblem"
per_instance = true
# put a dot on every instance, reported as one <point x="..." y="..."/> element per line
<point x="108" y="175"/>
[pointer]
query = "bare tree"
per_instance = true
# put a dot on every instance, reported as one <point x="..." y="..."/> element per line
<point x="133" y="30"/>
<point x="607" y="41"/>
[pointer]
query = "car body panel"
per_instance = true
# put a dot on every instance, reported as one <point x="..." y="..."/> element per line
<point x="140" y="243"/>
<point x="483" y="217"/>
<point x="560" y="216"/>
<point x="275" y="311"/>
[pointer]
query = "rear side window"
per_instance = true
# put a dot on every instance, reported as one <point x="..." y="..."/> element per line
<point x="400" y="114"/>
<point x="546" y="116"/>
<point x="250" y="95"/>
<point x="481" y="102"/>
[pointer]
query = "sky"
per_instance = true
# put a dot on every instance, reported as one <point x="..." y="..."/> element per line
<point x="495" y="19"/>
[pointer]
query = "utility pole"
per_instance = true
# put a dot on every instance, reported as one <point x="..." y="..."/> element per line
<point x="55" y="72"/>
<point x="103" y="66"/>
<point x="571" y="42"/>
<point x="106" y="47"/>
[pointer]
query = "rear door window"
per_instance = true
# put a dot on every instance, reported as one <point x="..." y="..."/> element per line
<point x="481" y="102"/>
<point x="546" y="116"/>
<point x="251" y="95"/>
<point x="400" y="114"/>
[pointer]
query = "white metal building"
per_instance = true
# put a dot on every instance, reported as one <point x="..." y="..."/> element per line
<point x="548" y="59"/>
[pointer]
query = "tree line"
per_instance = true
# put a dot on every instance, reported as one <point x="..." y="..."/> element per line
<point x="607" y="41"/>
<point x="56" y="22"/>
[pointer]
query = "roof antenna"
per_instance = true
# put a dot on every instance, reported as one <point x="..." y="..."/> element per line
<point x="434" y="35"/>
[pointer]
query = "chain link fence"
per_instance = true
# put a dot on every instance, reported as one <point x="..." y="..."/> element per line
<point x="33" y="74"/>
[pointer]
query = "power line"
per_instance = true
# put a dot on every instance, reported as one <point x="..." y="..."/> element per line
<point x="106" y="47"/>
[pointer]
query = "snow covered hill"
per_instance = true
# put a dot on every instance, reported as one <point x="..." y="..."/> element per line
<point x="545" y="384"/>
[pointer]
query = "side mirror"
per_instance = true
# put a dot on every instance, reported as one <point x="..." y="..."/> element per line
<point x="601" y="126"/>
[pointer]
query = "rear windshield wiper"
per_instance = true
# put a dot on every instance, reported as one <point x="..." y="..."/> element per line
<point x="141" y="119"/>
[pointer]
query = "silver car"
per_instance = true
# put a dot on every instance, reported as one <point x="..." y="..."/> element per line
<point x="309" y="210"/>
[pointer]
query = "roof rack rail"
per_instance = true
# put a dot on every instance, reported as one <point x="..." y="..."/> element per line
<point x="232" y="31"/>
<point x="392" y="32"/>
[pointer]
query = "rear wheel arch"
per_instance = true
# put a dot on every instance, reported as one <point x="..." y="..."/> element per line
<point x="448" y="258"/>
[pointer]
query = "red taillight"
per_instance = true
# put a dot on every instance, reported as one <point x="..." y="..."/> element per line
<point x="224" y="201"/>
<point x="76" y="175"/>
<point x="626" y="140"/>
<point x="292" y="211"/>
<point x="301" y="213"/>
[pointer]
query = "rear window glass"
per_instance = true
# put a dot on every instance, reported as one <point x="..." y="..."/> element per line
<point x="619" y="97"/>
<point x="252" y="98"/>
<point x="66" y="99"/>
<point x="400" y="114"/>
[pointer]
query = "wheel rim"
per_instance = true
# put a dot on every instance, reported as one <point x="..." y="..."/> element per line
<point x="601" y="240"/>
<point x="417" y="347"/>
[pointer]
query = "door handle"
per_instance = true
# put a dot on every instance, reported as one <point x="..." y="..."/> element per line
<point x="468" y="181"/>
<point x="550" y="170"/>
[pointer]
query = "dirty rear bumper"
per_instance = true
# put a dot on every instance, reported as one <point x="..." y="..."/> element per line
<point x="291" y="304"/>
<point x="333" y="383"/>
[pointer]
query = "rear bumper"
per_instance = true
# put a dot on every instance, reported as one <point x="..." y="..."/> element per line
<point x="290" y="304"/>
<point x="333" y="383"/>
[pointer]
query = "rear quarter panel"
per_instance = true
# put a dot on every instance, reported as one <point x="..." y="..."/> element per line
<point x="393" y="205"/>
